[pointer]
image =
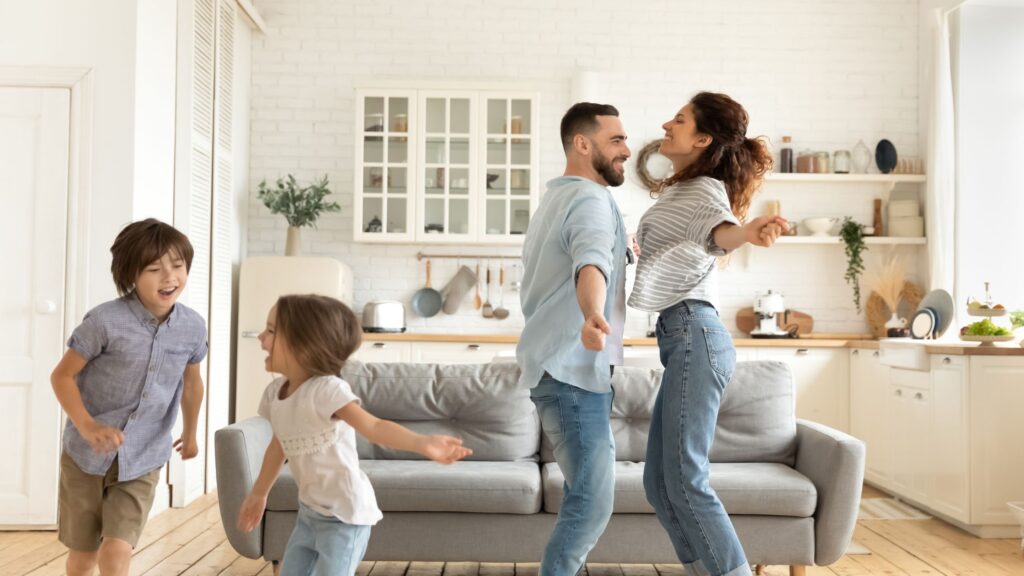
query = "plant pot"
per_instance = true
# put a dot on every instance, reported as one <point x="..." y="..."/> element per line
<point x="293" y="245"/>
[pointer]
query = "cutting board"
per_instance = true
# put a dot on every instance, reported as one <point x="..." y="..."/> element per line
<point x="746" y="321"/>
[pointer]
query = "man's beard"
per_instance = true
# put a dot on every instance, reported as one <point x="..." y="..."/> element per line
<point x="604" y="167"/>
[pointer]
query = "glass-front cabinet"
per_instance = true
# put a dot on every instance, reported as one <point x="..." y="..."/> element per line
<point x="445" y="166"/>
<point x="384" y="159"/>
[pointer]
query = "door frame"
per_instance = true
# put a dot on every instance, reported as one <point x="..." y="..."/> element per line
<point x="80" y="154"/>
<point x="80" y="83"/>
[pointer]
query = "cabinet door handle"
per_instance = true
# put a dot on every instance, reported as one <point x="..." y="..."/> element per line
<point x="899" y="392"/>
<point x="875" y="353"/>
<point x="946" y="360"/>
<point x="801" y="352"/>
<point x="918" y="396"/>
<point x="856" y="352"/>
<point x="473" y="347"/>
<point x="250" y="334"/>
<point x="380" y="345"/>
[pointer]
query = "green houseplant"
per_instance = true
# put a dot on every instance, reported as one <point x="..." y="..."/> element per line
<point x="301" y="206"/>
<point x="852" y="234"/>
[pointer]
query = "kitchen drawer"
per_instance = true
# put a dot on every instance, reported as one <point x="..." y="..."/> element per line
<point x="461" y="352"/>
<point x="383" y="351"/>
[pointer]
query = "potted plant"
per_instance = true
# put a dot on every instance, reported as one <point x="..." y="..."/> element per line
<point x="852" y="234"/>
<point x="301" y="206"/>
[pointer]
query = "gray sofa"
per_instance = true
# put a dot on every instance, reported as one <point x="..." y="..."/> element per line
<point x="791" y="488"/>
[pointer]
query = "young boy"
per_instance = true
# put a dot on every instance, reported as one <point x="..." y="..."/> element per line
<point x="129" y="363"/>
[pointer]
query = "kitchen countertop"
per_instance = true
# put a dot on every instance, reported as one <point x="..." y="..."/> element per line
<point x="823" y="340"/>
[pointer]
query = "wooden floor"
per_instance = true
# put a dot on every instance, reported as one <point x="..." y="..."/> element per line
<point x="190" y="542"/>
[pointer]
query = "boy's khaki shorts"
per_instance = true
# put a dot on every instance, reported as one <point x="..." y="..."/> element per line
<point x="95" y="507"/>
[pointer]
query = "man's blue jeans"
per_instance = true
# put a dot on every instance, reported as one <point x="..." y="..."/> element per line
<point x="577" y="424"/>
<point x="699" y="359"/>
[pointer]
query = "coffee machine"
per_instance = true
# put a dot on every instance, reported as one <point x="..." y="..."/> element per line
<point x="766" y="306"/>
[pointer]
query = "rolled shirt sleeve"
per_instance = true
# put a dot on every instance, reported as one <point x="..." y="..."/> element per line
<point x="588" y="235"/>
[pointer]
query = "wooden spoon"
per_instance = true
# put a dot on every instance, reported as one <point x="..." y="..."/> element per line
<point x="476" y="299"/>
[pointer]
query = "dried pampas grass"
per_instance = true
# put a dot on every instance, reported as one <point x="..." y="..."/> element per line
<point x="887" y="282"/>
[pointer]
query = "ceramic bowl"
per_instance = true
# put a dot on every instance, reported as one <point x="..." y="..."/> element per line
<point x="819" y="226"/>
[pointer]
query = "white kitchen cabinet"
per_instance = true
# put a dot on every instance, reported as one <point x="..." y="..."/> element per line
<point x="822" y="382"/>
<point x="947" y="435"/>
<point x="870" y="420"/>
<point x="459" y="352"/>
<point x="996" y="397"/>
<point x="910" y="411"/>
<point x="384" y="206"/>
<point x="445" y="166"/>
<point x="383" y="351"/>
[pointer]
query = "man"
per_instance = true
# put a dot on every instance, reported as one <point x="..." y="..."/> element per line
<point x="573" y="298"/>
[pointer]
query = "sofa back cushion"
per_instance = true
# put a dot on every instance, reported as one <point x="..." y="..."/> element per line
<point x="756" y="422"/>
<point x="480" y="403"/>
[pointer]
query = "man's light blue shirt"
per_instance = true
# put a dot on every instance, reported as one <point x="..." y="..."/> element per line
<point x="577" y="224"/>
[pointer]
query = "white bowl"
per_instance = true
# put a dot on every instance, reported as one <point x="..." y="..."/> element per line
<point x="819" y="226"/>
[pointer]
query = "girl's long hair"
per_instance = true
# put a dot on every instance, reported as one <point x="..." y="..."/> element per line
<point x="739" y="162"/>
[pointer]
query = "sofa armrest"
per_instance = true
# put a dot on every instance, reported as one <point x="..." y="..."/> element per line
<point x="239" y="453"/>
<point x="834" y="462"/>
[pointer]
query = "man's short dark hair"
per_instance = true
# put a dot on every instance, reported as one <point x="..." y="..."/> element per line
<point x="582" y="119"/>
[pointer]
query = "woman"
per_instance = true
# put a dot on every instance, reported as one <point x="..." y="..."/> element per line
<point x="698" y="217"/>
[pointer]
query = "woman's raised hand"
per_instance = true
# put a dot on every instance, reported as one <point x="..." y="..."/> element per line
<point x="765" y="230"/>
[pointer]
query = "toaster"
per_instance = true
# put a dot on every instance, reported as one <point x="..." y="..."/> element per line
<point x="384" y="316"/>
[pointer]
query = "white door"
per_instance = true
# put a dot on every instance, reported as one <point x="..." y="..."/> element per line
<point x="34" y="140"/>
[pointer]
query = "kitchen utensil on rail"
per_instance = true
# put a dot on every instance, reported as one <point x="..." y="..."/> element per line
<point x="488" y="310"/>
<point x="426" y="302"/>
<point x="477" y="303"/>
<point x="501" y="312"/>
<point x="457" y="288"/>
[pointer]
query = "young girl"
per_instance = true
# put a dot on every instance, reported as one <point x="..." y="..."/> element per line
<point x="315" y="416"/>
<point x="698" y="217"/>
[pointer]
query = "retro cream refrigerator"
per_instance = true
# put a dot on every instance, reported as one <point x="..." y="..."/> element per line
<point x="262" y="279"/>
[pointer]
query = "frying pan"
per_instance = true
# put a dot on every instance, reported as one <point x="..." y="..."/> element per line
<point x="426" y="302"/>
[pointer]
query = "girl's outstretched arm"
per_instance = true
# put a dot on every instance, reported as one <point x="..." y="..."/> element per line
<point x="437" y="447"/>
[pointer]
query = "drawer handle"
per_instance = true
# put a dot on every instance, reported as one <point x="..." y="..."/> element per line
<point x="875" y="353"/>
<point x="856" y="352"/>
<point x="801" y="352"/>
<point x="918" y="396"/>
<point x="250" y="334"/>
<point x="473" y="347"/>
<point x="946" y="360"/>
<point x="380" y="345"/>
<point x="899" y="392"/>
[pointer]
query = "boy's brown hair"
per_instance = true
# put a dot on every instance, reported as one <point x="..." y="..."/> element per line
<point x="140" y="244"/>
<point x="320" y="331"/>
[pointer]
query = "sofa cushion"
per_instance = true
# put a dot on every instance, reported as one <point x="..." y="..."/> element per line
<point x="483" y="487"/>
<point x="480" y="403"/>
<point x="758" y="488"/>
<point x="756" y="422"/>
<point x="423" y="486"/>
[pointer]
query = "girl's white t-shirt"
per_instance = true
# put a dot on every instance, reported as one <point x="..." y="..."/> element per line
<point x="321" y="449"/>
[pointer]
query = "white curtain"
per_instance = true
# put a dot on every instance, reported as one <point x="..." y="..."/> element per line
<point x="941" y="204"/>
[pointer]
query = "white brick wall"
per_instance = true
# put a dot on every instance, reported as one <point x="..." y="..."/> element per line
<point x="827" y="72"/>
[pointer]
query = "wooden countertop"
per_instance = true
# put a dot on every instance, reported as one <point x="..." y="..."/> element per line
<point x="822" y="340"/>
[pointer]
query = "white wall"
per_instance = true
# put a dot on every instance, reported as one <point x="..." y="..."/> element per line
<point x="990" y="126"/>
<point x="827" y="73"/>
<point x="98" y="35"/>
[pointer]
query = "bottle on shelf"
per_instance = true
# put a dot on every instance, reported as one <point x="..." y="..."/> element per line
<point x="786" y="156"/>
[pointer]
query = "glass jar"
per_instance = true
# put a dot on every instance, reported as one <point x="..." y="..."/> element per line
<point x="822" y="164"/>
<point x="861" y="157"/>
<point x="841" y="162"/>
<point x="805" y="162"/>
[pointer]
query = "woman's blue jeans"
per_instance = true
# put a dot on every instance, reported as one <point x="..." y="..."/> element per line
<point x="699" y="359"/>
<point x="577" y="423"/>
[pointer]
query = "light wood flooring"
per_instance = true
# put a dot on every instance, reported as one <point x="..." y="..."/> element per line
<point x="190" y="542"/>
